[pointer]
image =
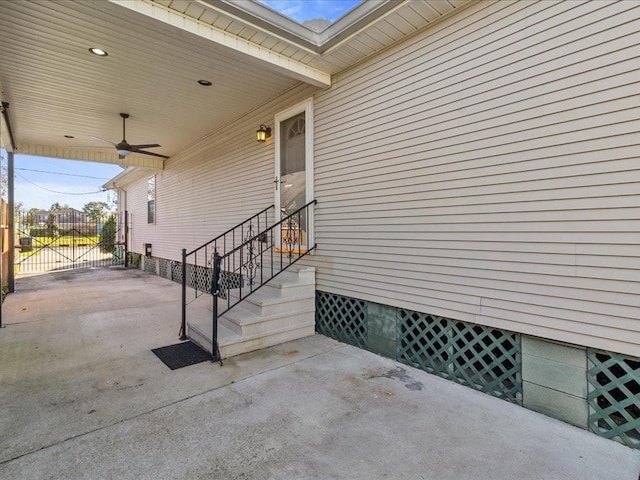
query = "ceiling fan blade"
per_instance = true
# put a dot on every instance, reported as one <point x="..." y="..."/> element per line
<point x="150" y="153"/>
<point x="145" y="145"/>
<point x="124" y="148"/>
<point x="102" y="140"/>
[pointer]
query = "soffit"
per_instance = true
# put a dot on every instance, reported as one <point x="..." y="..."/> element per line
<point x="157" y="52"/>
<point x="55" y="86"/>
<point x="369" y="28"/>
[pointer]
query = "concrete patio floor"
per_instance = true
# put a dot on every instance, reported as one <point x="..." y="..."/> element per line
<point x="82" y="396"/>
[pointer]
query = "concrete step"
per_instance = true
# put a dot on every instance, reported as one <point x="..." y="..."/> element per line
<point x="296" y="273"/>
<point x="281" y="286"/>
<point x="231" y="347"/>
<point x="287" y="280"/>
<point x="284" y="289"/>
<point x="200" y="332"/>
<point x="231" y="344"/>
<point x="280" y="311"/>
<point x="263" y="303"/>
<point x="244" y="322"/>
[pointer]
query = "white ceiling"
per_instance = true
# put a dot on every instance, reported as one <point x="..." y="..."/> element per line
<point x="158" y="50"/>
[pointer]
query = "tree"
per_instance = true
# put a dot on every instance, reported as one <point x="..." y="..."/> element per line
<point x="95" y="210"/>
<point x="30" y="217"/>
<point x="56" y="207"/>
<point x="18" y="210"/>
<point x="52" y="228"/>
<point x="19" y="214"/>
<point x="108" y="235"/>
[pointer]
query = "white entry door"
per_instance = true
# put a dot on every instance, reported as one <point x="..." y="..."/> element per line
<point x="294" y="175"/>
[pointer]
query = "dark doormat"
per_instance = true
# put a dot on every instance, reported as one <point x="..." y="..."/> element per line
<point x="181" y="355"/>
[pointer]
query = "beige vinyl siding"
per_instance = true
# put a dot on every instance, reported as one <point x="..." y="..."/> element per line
<point x="218" y="182"/>
<point x="487" y="169"/>
<point x="136" y="205"/>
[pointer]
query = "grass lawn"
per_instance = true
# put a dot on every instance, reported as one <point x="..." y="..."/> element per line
<point x="69" y="241"/>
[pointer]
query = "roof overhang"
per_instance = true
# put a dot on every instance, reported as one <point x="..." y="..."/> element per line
<point x="275" y="23"/>
<point x="158" y="50"/>
<point x="257" y="54"/>
<point x="128" y="175"/>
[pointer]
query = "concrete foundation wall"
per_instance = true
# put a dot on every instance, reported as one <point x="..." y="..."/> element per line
<point x="554" y="380"/>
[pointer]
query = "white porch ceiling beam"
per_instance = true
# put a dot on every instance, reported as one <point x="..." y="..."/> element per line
<point x="88" y="156"/>
<point x="269" y="58"/>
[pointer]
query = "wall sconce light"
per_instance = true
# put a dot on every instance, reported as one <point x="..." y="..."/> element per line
<point x="263" y="133"/>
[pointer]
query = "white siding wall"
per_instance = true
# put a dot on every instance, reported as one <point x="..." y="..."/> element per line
<point x="488" y="170"/>
<point x="139" y="231"/>
<point x="220" y="181"/>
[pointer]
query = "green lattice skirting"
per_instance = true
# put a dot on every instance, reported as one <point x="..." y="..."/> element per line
<point x="342" y="318"/>
<point x="482" y="358"/>
<point x="614" y="396"/>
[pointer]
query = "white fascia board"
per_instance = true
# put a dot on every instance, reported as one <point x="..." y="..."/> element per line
<point x="127" y="176"/>
<point x="118" y="179"/>
<point x="272" y="60"/>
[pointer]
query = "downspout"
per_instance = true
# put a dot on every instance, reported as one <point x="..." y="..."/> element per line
<point x="122" y="206"/>
<point x="123" y="220"/>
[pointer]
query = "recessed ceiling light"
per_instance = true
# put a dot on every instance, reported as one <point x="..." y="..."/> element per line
<point x="69" y="136"/>
<point x="205" y="83"/>
<point x="98" y="51"/>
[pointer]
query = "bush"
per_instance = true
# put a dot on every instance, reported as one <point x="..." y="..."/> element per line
<point x="108" y="235"/>
<point x="38" y="232"/>
<point x="134" y="260"/>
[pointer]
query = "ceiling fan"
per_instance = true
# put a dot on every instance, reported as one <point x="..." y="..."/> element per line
<point x="124" y="148"/>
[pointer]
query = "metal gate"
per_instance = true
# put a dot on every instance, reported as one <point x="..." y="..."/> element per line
<point x="67" y="238"/>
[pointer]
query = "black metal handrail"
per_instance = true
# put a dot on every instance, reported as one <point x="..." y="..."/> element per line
<point x="232" y="230"/>
<point x="221" y="244"/>
<point x="281" y="245"/>
<point x="286" y="255"/>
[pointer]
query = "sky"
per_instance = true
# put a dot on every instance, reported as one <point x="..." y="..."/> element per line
<point x="301" y="10"/>
<point x="41" y="181"/>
